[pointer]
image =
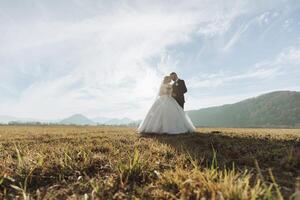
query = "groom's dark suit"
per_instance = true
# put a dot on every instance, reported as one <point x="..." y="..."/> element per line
<point x="179" y="89"/>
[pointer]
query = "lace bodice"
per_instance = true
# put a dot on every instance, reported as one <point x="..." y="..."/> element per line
<point x="165" y="89"/>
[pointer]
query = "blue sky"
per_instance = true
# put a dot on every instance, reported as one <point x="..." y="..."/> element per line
<point x="107" y="58"/>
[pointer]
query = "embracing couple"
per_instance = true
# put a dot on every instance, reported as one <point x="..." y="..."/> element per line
<point x="166" y="115"/>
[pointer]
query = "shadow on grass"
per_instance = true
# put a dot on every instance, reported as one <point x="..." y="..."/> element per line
<point x="281" y="156"/>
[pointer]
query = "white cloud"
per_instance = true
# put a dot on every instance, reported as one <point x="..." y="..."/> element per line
<point x="221" y="78"/>
<point x="287" y="24"/>
<point x="263" y="70"/>
<point x="263" y="19"/>
<point x="104" y="56"/>
<point x="289" y="56"/>
<point x="215" y="26"/>
<point x="96" y="58"/>
<point x="236" y="36"/>
<point x="284" y="64"/>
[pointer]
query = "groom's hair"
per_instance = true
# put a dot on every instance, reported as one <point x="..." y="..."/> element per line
<point x="173" y="73"/>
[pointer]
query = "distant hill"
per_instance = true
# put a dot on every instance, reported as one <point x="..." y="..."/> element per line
<point x="119" y="121"/>
<point x="275" y="109"/>
<point x="80" y="119"/>
<point x="77" y="119"/>
<point x="115" y="121"/>
<point x="101" y="120"/>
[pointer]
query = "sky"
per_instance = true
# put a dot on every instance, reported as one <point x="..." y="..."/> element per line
<point x="106" y="58"/>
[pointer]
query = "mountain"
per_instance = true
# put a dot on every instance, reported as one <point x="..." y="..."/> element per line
<point x="119" y="121"/>
<point x="77" y="119"/>
<point x="115" y="121"/>
<point x="101" y="120"/>
<point x="275" y="109"/>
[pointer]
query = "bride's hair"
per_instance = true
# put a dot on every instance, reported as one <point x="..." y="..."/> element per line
<point x="167" y="79"/>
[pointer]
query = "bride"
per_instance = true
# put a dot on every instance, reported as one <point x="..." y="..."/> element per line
<point x="165" y="115"/>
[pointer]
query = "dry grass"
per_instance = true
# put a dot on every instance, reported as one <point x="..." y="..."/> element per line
<point x="69" y="162"/>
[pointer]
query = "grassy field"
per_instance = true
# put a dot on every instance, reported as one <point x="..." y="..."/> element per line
<point x="69" y="162"/>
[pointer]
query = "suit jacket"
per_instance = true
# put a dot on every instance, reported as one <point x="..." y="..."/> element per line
<point x="179" y="88"/>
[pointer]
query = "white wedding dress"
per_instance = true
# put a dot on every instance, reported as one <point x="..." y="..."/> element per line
<point x="166" y="116"/>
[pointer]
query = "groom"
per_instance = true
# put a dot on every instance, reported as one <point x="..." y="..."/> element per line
<point x="179" y="89"/>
